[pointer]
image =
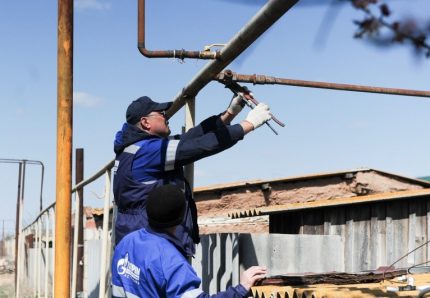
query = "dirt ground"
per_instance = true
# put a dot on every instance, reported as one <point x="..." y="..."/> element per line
<point x="7" y="285"/>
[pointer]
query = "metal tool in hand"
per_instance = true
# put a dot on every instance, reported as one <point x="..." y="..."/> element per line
<point x="251" y="102"/>
<point x="227" y="79"/>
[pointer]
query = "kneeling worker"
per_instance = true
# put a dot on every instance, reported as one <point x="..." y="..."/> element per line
<point x="151" y="262"/>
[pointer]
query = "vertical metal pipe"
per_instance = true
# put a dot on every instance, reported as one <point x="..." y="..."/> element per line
<point x="103" y="270"/>
<point x="190" y="120"/>
<point x="64" y="147"/>
<point x="20" y="238"/>
<point x="36" y="258"/>
<point x="39" y="263"/>
<point x="53" y="216"/>
<point x="46" y="253"/>
<point x="41" y="186"/>
<point x="17" y="225"/>
<point x="2" y="241"/>
<point x="75" y="244"/>
<point x="79" y="176"/>
<point x="34" y="282"/>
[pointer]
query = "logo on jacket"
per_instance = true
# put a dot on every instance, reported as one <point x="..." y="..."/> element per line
<point x="128" y="269"/>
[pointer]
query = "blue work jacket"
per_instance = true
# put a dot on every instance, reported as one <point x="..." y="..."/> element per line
<point x="162" y="271"/>
<point x="144" y="162"/>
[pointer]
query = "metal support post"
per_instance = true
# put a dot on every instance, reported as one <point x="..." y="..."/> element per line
<point x="190" y="120"/>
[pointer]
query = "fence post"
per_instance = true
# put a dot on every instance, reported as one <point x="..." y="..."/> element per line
<point x="75" y="244"/>
<point x="105" y="235"/>
<point x="46" y="253"/>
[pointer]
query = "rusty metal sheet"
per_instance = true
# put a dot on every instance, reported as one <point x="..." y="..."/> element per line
<point x="330" y="203"/>
<point x="387" y="288"/>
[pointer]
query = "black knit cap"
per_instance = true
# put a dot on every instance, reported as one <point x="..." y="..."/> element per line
<point x="165" y="206"/>
<point x="142" y="107"/>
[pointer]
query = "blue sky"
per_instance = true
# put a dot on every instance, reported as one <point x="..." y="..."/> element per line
<point x="325" y="130"/>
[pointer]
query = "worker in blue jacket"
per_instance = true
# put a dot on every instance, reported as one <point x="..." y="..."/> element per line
<point x="163" y="270"/>
<point x="147" y="157"/>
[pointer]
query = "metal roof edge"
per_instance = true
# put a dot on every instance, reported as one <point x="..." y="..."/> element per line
<point x="329" y="203"/>
<point x="232" y="185"/>
<point x="415" y="180"/>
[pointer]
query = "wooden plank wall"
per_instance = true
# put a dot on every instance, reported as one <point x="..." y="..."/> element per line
<point x="374" y="234"/>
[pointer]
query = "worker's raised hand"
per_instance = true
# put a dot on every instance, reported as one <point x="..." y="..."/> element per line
<point x="259" y="115"/>
<point x="251" y="275"/>
<point x="236" y="105"/>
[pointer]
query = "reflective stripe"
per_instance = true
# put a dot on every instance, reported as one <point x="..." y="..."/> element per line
<point x="192" y="294"/>
<point x="131" y="149"/>
<point x="115" y="166"/>
<point x="171" y="155"/>
<point x="149" y="182"/>
<point x="119" y="292"/>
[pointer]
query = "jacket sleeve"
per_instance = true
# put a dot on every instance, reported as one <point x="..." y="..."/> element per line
<point x="210" y="124"/>
<point x="232" y="292"/>
<point x="117" y="288"/>
<point x="182" y="281"/>
<point x="189" y="149"/>
<point x="116" y="284"/>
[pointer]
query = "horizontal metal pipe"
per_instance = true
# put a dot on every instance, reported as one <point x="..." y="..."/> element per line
<point x="263" y="80"/>
<point x="27" y="161"/>
<point x="262" y="21"/>
<point x="102" y="171"/>
<point x="180" y="54"/>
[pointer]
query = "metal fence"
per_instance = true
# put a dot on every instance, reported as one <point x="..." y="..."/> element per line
<point x="36" y="250"/>
<point x="346" y="238"/>
<point x="219" y="259"/>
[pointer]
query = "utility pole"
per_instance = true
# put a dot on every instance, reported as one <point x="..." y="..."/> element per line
<point x="64" y="148"/>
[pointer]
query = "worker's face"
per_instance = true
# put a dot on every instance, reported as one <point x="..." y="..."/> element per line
<point x="158" y="124"/>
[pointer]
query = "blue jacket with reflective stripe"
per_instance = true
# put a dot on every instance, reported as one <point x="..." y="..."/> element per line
<point x="162" y="271"/>
<point x="144" y="162"/>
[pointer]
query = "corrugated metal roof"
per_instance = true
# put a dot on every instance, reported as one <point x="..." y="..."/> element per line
<point x="329" y="203"/>
<point x="381" y="289"/>
<point x="226" y="186"/>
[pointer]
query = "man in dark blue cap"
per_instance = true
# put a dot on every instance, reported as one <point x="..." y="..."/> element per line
<point x="148" y="157"/>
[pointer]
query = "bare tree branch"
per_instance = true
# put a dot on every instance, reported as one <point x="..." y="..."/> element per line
<point x="373" y="24"/>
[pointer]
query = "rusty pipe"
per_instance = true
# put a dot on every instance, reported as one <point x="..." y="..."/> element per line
<point x="263" y="80"/>
<point x="180" y="54"/>
<point x="271" y="12"/>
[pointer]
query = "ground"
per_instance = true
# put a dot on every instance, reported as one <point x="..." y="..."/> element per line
<point x="6" y="285"/>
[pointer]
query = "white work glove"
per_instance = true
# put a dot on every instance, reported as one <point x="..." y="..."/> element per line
<point x="259" y="115"/>
<point x="236" y="105"/>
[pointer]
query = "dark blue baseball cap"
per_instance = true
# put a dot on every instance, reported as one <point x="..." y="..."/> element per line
<point x="142" y="107"/>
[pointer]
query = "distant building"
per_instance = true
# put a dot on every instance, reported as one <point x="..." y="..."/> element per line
<point x="380" y="216"/>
